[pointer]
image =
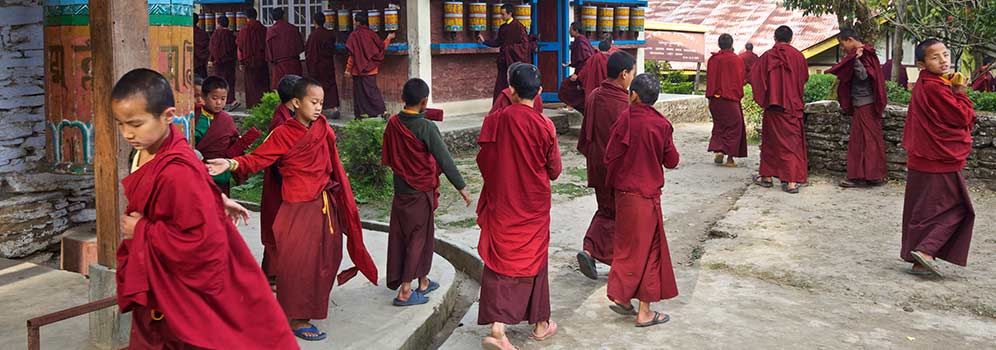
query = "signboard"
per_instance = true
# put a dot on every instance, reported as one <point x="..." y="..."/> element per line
<point x="674" y="46"/>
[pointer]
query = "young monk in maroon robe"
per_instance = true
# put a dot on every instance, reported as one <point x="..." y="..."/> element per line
<point x="319" y="54"/>
<point x="505" y="99"/>
<point x="202" y="51"/>
<point x="519" y="157"/>
<point x="937" y="215"/>
<point x="283" y="48"/>
<point x="641" y="143"/>
<point x="984" y="79"/>
<point x="595" y="70"/>
<point x="603" y="107"/>
<point x="725" y="89"/>
<point x="861" y="92"/>
<point x="366" y="53"/>
<point x="778" y="79"/>
<point x="749" y="58"/>
<point x="513" y="43"/>
<point x="318" y="209"/>
<point x="415" y="152"/>
<point x="252" y="56"/>
<point x="272" y="197"/>
<point x="224" y="55"/>
<point x="184" y="271"/>
<point x="214" y="129"/>
<point x="571" y="91"/>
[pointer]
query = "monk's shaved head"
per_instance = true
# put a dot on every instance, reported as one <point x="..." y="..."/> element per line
<point x="647" y="87"/>
<point x="749" y="47"/>
<point x="362" y="18"/>
<point x="606" y="42"/>
<point x="277" y="14"/>
<point x="619" y="62"/>
<point x="783" y="34"/>
<point x="251" y="13"/>
<point x="147" y="84"/>
<point x="512" y="68"/>
<point x="848" y="34"/>
<point x="318" y="18"/>
<point x="285" y="87"/>
<point x="921" y="49"/>
<point x="223" y="22"/>
<point x="526" y="81"/>
<point x="414" y="91"/>
<point x="726" y="42"/>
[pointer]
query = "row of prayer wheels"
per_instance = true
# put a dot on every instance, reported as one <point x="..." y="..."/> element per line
<point x="608" y="19"/>
<point x="453" y="16"/>
<point x="209" y="21"/>
<point x="386" y="19"/>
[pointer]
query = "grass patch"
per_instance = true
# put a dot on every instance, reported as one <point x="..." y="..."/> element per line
<point x="571" y="190"/>
<point x="779" y="278"/>
<point x="697" y="253"/>
<point x="578" y="172"/>
<point x="251" y="190"/>
<point x="465" y="223"/>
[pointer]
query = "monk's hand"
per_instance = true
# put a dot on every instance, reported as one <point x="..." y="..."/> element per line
<point x="391" y="36"/>
<point x="128" y="223"/>
<point x="859" y="52"/>
<point x="235" y="211"/>
<point x="466" y="196"/>
<point x="480" y="37"/>
<point x="573" y="77"/>
<point x="217" y="166"/>
<point x="565" y="65"/>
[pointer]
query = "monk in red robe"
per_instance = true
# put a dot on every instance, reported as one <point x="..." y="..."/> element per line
<point x="366" y="53"/>
<point x="983" y="77"/>
<point x="283" y="48"/>
<point x="640" y="144"/>
<point x="202" y="51"/>
<point x="214" y="129"/>
<point x="252" y="56"/>
<point x="725" y="89"/>
<point x="319" y="54"/>
<point x="571" y="91"/>
<point x="749" y="58"/>
<point x="184" y="271"/>
<point x="224" y="55"/>
<point x="505" y="99"/>
<point x="318" y="210"/>
<point x="861" y="92"/>
<point x="272" y="197"/>
<point x="594" y="71"/>
<point x="513" y="43"/>
<point x="519" y="157"/>
<point x="415" y="152"/>
<point x="778" y="79"/>
<point x="603" y="107"/>
<point x="938" y="216"/>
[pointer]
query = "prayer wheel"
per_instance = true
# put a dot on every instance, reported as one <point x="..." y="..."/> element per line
<point x="240" y="20"/>
<point x="478" y="17"/>
<point x="622" y="19"/>
<point x="344" y="20"/>
<point x="374" y="20"/>
<point x="453" y="16"/>
<point x="636" y="19"/>
<point x="209" y="21"/>
<point x="232" y="21"/>
<point x="605" y="19"/>
<point x="524" y="14"/>
<point x="391" y="20"/>
<point x="329" y="19"/>
<point x="589" y="18"/>
<point x="496" y="20"/>
<point x="200" y="21"/>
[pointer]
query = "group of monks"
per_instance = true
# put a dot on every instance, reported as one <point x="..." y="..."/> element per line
<point x="266" y="55"/>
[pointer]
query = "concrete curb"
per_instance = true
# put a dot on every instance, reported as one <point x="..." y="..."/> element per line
<point x="462" y="258"/>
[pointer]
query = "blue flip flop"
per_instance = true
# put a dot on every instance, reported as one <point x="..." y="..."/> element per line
<point x="319" y="335"/>
<point x="432" y="286"/>
<point x="417" y="298"/>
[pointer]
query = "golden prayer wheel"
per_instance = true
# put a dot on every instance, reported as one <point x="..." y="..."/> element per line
<point x="391" y="20"/>
<point x="524" y="14"/>
<point x="232" y="21"/>
<point x="478" y="17"/>
<point x="453" y="16"/>
<point x="329" y="19"/>
<point x="636" y="19"/>
<point x="622" y="19"/>
<point x="605" y="19"/>
<point x="589" y="18"/>
<point x="496" y="20"/>
<point x="240" y="20"/>
<point x="200" y="21"/>
<point x="374" y="20"/>
<point x="209" y="21"/>
<point x="345" y="20"/>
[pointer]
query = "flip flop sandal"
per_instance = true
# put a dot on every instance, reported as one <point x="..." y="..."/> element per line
<point x="719" y="158"/>
<point x="655" y="320"/>
<point x="432" y="286"/>
<point x="623" y="309"/>
<point x="550" y="331"/>
<point x="852" y="184"/>
<point x="730" y="164"/>
<point x="929" y="264"/>
<point x="587" y="264"/>
<point x="876" y="183"/>
<point x="492" y="343"/>
<point x="785" y="187"/>
<point x="417" y="298"/>
<point x="765" y="184"/>
<point x="919" y="273"/>
<point x="300" y="333"/>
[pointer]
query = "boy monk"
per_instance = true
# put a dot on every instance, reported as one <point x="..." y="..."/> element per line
<point x="183" y="269"/>
<point x="749" y="58"/>
<point x="861" y="93"/>
<point x="319" y="55"/>
<point x="283" y="47"/>
<point x="365" y="55"/>
<point x="937" y="215"/>
<point x="641" y="142"/>
<point x="272" y="182"/>
<point x="224" y="54"/>
<point x="214" y="129"/>
<point x="318" y="209"/>
<point x="594" y="70"/>
<point x="505" y="98"/>
<point x="252" y="56"/>
<point x="415" y="152"/>
<point x="725" y="89"/>
<point x="198" y="95"/>
<point x="778" y="79"/>
<point x="519" y="157"/>
<point x="603" y="106"/>
<point x="571" y="92"/>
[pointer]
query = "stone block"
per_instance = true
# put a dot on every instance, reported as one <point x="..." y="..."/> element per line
<point x="10" y="102"/>
<point x="79" y="249"/>
<point x="84" y="216"/>
<point x="43" y="182"/>
<point x="19" y="15"/>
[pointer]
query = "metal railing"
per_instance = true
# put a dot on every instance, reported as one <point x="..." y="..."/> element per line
<point x="35" y="324"/>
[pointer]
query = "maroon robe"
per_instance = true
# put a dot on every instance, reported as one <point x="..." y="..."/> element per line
<point x="283" y="50"/>
<point x="725" y="90"/>
<point x="748" y="58"/>
<point x="514" y="45"/>
<point x="202" y="52"/>
<point x="519" y="157"/>
<point x="938" y="216"/>
<point x="778" y="79"/>
<point x="366" y="53"/>
<point x="985" y="80"/>
<point x="640" y="144"/>
<point x="581" y="50"/>
<point x="251" y="41"/>
<point x="271" y="198"/>
<point x="595" y="70"/>
<point x="187" y="275"/>
<point x="218" y="138"/>
<point x="505" y="100"/>
<point x="602" y="107"/>
<point x="319" y="53"/>
<point x="224" y="54"/>
<point x="866" y="145"/>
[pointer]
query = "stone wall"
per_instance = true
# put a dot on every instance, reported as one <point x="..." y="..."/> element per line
<point x="827" y="131"/>
<point x="684" y="108"/>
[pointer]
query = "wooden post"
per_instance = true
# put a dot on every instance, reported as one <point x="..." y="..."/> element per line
<point x="698" y="71"/>
<point x="119" y="32"/>
<point x="898" y="42"/>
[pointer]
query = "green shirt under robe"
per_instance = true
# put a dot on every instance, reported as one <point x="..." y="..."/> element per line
<point x="427" y="132"/>
<point x="201" y="128"/>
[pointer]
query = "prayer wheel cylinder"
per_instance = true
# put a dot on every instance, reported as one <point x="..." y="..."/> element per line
<point x="524" y="14"/>
<point x="232" y="21"/>
<point x="329" y="19"/>
<point x="496" y="20"/>
<point x="636" y="19"/>
<point x="478" y="17"/>
<point x="345" y="20"/>
<point x="240" y="20"/>
<point x="200" y="21"/>
<point x="453" y="16"/>
<point x="605" y="19"/>
<point x="391" y="20"/>
<point x="622" y="19"/>
<point x="589" y="18"/>
<point x="375" y="20"/>
<point x="209" y="21"/>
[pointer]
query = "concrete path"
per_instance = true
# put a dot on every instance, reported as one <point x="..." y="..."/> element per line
<point x="30" y="290"/>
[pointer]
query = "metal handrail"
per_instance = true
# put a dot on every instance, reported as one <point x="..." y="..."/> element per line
<point x="35" y="324"/>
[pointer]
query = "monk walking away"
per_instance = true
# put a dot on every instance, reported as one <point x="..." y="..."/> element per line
<point x="861" y="92"/>
<point x="317" y="212"/>
<point x="603" y="108"/>
<point x="595" y="70"/>
<point x="725" y="90"/>
<point x="223" y="55"/>
<point x="415" y="152"/>
<point x="252" y="58"/>
<point x="519" y="157"/>
<point x="184" y="271"/>
<point x="749" y="58"/>
<point x="513" y="43"/>
<point x="938" y="216"/>
<point x="319" y="54"/>
<point x="505" y="98"/>
<point x="272" y="181"/>
<point x="214" y="129"/>
<point x="778" y="79"/>
<point x="366" y="54"/>
<point x="202" y="50"/>
<point x="283" y="47"/>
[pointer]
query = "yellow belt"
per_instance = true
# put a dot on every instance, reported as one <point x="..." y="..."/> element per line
<point x="327" y="211"/>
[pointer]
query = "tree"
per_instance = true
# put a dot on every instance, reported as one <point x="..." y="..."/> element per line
<point x="960" y="24"/>
<point x="857" y="14"/>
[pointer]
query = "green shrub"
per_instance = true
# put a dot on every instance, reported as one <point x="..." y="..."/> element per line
<point x="896" y="93"/>
<point x="683" y="88"/>
<point x="752" y="115"/>
<point x="672" y="81"/>
<point x="820" y="87"/>
<point x="984" y="101"/>
<point x="260" y="116"/>
<point x="360" y="147"/>
<point x="251" y="190"/>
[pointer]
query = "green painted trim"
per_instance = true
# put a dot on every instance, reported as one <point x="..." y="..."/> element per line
<point x="170" y="20"/>
<point x="67" y="21"/>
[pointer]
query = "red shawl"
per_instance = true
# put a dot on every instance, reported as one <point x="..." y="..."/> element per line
<point x="202" y="47"/>
<point x="938" y="132"/>
<point x="188" y="261"/>
<point x="845" y="73"/>
<point x="602" y="108"/>
<point x="408" y="157"/>
<point x="505" y="99"/>
<point x="433" y="114"/>
<point x="219" y="136"/>
<point x="280" y="115"/>
<point x="984" y="80"/>
<point x="366" y="48"/>
<point x="283" y="42"/>
<point x="223" y="47"/>
<point x="779" y="77"/>
<point x="725" y="78"/>
<point x="571" y="93"/>
<point x="251" y="41"/>
<point x="319" y="54"/>
<point x="749" y="58"/>
<point x="595" y="70"/>
<point x="581" y="50"/>
<point x="641" y="142"/>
